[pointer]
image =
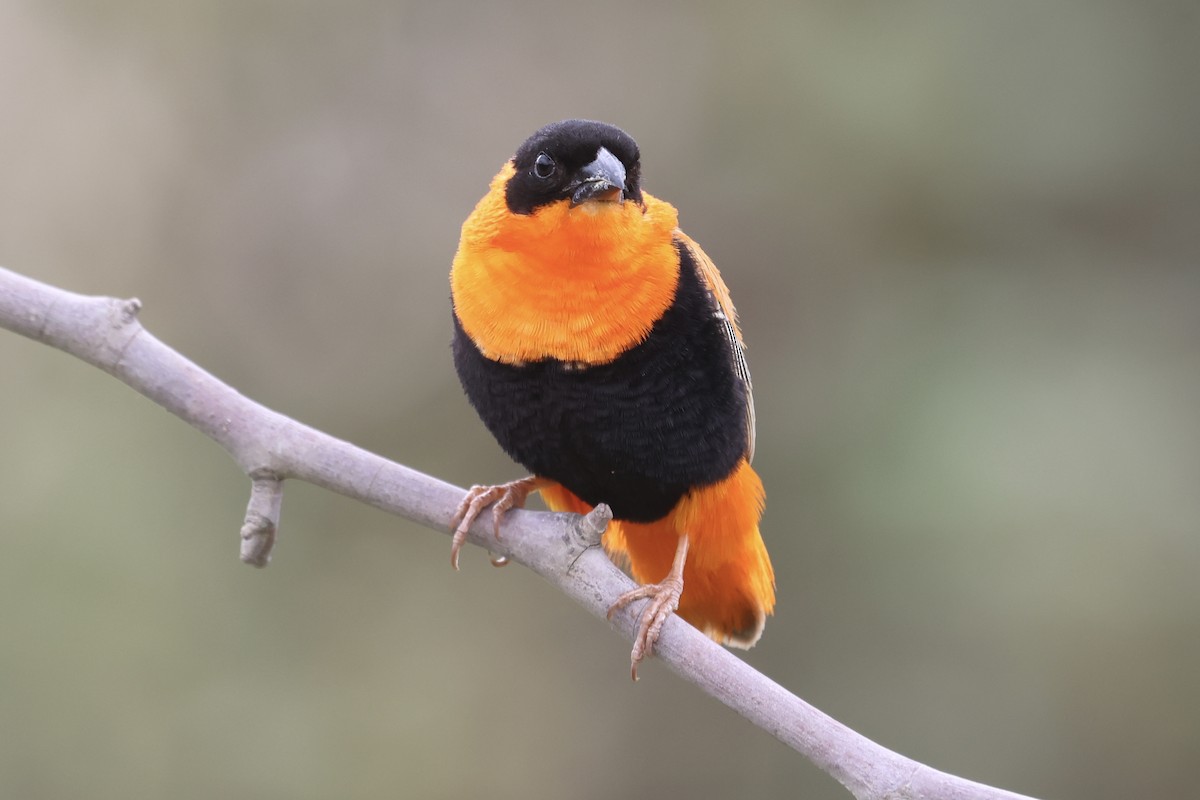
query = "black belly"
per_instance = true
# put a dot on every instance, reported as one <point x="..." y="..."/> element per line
<point x="636" y="433"/>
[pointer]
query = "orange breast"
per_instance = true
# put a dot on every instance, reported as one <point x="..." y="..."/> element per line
<point x="576" y="284"/>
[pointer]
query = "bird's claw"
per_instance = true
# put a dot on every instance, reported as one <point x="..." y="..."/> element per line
<point x="502" y="498"/>
<point x="663" y="600"/>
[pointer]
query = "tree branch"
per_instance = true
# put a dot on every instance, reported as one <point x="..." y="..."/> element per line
<point x="270" y="448"/>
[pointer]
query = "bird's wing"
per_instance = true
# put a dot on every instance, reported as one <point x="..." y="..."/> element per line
<point x="727" y="314"/>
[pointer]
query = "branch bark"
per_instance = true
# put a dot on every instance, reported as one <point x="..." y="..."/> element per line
<point x="270" y="448"/>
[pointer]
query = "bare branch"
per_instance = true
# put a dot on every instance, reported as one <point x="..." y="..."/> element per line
<point x="270" y="447"/>
<point x="262" y="519"/>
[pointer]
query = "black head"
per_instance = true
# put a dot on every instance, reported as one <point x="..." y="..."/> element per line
<point x="576" y="160"/>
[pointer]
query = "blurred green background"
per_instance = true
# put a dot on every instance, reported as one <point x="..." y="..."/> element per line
<point x="963" y="240"/>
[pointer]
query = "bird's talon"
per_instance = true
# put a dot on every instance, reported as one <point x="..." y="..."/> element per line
<point x="502" y="498"/>
<point x="663" y="599"/>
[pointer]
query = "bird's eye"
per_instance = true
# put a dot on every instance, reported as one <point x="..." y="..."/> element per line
<point x="543" y="166"/>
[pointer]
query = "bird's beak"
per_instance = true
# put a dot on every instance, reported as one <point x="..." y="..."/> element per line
<point x="603" y="180"/>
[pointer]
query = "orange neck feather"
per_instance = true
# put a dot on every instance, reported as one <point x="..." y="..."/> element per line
<point x="575" y="284"/>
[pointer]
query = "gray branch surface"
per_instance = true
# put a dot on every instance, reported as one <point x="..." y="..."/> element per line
<point x="271" y="448"/>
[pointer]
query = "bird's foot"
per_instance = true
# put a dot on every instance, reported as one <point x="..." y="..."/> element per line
<point x="502" y="498"/>
<point x="664" y="599"/>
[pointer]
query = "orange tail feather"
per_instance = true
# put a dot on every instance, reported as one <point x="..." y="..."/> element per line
<point x="728" y="582"/>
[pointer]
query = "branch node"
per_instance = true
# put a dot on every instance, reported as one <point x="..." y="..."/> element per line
<point x="590" y="527"/>
<point x="262" y="519"/>
<point x="130" y="309"/>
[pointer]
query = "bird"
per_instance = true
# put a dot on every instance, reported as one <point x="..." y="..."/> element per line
<point x="599" y="345"/>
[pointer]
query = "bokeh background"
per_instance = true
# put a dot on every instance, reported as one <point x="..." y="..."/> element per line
<point x="964" y="242"/>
